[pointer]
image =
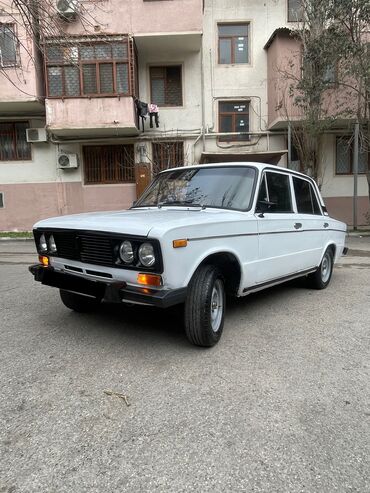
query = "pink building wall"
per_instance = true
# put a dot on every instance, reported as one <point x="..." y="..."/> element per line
<point x="79" y="113"/>
<point x="283" y="58"/>
<point x="27" y="203"/>
<point x="26" y="77"/>
<point x="284" y="71"/>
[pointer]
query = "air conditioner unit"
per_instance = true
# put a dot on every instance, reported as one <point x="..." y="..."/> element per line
<point x="36" y="135"/>
<point x="68" y="9"/>
<point x="67" y="161"/>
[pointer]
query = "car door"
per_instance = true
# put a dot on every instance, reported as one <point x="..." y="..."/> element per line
<point x="310" y="215"/>
<point x="278" y="226"/>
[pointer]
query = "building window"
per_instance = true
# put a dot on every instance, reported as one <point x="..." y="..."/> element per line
<point x="167" y="155"/>
<point x="166" y="85"/>
<point x="1" y="200"/>
<point x="295" y="11"/>
<point x="13" y="141"/>
<point x="330" y="74"/>
<point x="8" y="46"/>
<point x="234" y="117"/>
<point x="109" y="164"/>
<point x="233" y="43"/>
<point x="99" y="69"/>
<point x="344" y="157"/>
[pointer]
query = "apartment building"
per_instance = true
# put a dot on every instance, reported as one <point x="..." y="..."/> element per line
<point x="208" y="67"/>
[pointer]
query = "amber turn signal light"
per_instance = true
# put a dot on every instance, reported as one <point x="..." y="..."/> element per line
<point x="179" y="243"/>
<point x="149" y="279"/>
<point x="44" y="260"/>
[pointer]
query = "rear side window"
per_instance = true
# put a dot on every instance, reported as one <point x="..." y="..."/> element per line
<point x="306" y="199"/>
<point x="278" y="189"/>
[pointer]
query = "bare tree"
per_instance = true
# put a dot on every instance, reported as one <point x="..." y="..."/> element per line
<point x="331" y="84"/>
<point x="36" y="21"/>
<point x="170" y="152"/>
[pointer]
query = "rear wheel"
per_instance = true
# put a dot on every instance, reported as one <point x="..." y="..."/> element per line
<point x="205" y="307"/>
<point x="78" y="302"/>
<point x="321" y="278"/>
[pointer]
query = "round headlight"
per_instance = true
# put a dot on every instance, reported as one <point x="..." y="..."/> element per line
<point x="146" y="254"/>
<point x="126" y="252"/>
<point x="42" y="244"/>
<point x="52" y="245"/>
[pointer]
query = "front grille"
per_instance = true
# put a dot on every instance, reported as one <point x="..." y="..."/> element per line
<point x="67" y="245"/>
<point x="97" y="248"/>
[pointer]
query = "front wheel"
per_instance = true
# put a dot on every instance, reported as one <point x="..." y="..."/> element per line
<point x="321" y="278"/>
<point x="205" y="307"/>
<point x="78" y="302"/>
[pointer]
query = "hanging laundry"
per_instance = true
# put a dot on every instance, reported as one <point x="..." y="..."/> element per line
<point x="154" y="114"/>
<point x="142" y="111"/>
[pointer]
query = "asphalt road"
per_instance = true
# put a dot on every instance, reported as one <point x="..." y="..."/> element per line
<point x="282" y="404"/>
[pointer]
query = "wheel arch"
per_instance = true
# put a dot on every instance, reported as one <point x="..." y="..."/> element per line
<point x="230" y="268"/>
<point x="333" y="247"/>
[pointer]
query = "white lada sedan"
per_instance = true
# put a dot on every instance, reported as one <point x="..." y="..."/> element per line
<point x="197" y="234"/>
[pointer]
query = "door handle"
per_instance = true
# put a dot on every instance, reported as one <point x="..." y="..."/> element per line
<point x="297" y="225"/>
<point x="326" y="225"/>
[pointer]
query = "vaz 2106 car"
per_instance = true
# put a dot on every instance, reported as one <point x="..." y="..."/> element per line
<point x="197" y="234"/>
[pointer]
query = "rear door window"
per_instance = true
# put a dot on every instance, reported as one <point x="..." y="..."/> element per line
<point x="306" y="199"/>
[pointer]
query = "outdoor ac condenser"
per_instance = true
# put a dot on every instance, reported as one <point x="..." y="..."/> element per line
<point x="67" y="9"/>
<point x="36" y="135"/>
<point x="67" y="161"/>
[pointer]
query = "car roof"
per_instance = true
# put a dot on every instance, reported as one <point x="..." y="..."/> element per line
<point x="260" y="166"/>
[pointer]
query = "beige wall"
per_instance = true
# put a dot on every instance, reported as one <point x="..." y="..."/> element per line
<point x="137" y="16"/>
<point x="240" y="81"/>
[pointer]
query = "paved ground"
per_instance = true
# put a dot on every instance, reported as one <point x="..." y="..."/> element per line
<point x="282" y="404"/>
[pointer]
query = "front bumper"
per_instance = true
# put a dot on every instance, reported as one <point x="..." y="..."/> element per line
<point x="115" y="292"/>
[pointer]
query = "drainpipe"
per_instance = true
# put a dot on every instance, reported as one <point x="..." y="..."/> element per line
<point x="289" y="145"/>
<point x="355" y="174"/>
<point x="203" y="97"/>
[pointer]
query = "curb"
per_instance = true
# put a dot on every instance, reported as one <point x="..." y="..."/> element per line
<point x="8" y="238"/>
<point x="358" y="234"/>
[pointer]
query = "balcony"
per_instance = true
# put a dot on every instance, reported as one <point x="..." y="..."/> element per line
<point x="90" y="87"/>
<point x="92" y="117"/>
<point x="284" y="67"/>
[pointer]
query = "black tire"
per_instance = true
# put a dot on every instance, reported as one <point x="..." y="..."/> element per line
<point x="204" y="324"/>
<point x="320" y="279"/>
<point x="78" y="302"/>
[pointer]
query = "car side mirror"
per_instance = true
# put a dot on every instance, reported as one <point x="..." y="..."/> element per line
<point x="264" y="206"/>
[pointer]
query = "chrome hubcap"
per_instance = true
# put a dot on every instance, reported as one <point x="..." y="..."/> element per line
<point x="325" y="268"/>
<point x="217" y="305"/>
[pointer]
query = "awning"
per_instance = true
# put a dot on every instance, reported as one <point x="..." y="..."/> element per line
<point x="268" y="157"/>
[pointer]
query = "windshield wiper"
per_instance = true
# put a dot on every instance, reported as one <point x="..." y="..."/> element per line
<point x="186" y="203"/>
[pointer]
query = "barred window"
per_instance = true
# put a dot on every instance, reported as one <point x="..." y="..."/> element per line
<point x="345" y="155"/>
<point x="8" y="46"/>
<point x="166" y="85"/>
<point x="109" y="164"/>
<point x="167" y="155"/>
<point x="13" y="141"/>
<point x="100" y="69"/>
<point x="295" y="10"/>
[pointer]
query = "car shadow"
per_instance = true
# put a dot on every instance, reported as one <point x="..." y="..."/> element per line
<point x="148" y="325"/>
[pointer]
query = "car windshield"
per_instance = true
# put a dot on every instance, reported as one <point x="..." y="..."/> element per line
<point x="222" y="187"/>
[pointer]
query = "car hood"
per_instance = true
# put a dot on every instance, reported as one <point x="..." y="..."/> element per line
<point x="140" y="221"/>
